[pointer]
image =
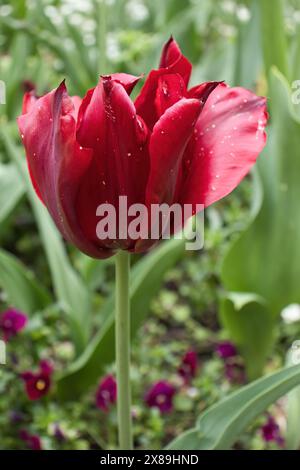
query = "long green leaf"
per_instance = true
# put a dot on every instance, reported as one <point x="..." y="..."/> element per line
<point x="273" y="36"/>
<point x="247" y="64"/>
<point x="11" y="189"/>
<point x="251" y="324"/>
<point x="22" y="289"/>
<point x="220" y="426"/>
<point x="292" y="439"/>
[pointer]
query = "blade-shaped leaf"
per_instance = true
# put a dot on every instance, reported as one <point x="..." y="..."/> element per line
<point x="251" y="325"/>
<point x="11" y="189"/>
<point x="22" y="289"/>
<point x="247" y="66"/>
<point x="292" y="439"/>
<point x="220" y="426"/>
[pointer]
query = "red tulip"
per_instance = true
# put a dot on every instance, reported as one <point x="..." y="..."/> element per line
<point x="173" y="145"/>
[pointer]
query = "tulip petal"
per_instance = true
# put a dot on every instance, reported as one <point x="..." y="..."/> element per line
<point x="170" y="89"/>
<point x="172" y="62"/>
<point x="228" y="138"/>
<point x="202" y="91"/>
<point x="167" y="144"/>
<point x="48" y="134"/>
<point x="28" y="101"/>
<point x="109" y="125"/>
<point x="126" y="80"/>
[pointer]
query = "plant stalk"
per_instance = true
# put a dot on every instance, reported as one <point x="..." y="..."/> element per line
<point x="123" y="350"/>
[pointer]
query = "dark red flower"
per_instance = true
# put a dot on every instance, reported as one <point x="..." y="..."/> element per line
<point x="161" y="396"/>
<point x="188" y="366"/>
<point x="11" y="322"/>
<point x="226" y="349"/>
<point x="235" y="372"/>
<point x="173" y="145"/>
<point x="106" y="394"/>
<point x="271" y="432"/>
<point x="32" y="441"/>
<point x="37" y="384"/>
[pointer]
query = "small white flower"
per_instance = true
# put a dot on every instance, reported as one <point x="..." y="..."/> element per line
<point x="291" y="313"/>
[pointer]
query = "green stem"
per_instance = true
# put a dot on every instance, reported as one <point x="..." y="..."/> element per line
<point x="101" y="36"/>
<point x="123" y="349"/>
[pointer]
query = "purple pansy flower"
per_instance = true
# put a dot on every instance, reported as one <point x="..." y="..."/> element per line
<point x="161" y="396"/>
<point x="11" y="322"/>
<point x="106" y="394"/>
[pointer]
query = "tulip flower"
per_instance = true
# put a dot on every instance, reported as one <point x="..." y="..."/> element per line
<point x="104" y="155"/>
<point x="173" y="145"/>
<point x="37" y="384"/>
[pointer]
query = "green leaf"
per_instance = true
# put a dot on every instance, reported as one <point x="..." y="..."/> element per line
<point x="69" y="288"/>
<point x="146" y="279"/>
<point x="292" y="439"/>
<point x="221" y="425"/>
<point x="251" y="325"/>
<point x="265" y="259"/>
<point x="273" y="35"/>
<point x="11" y="189"/>
<point x="22" y="289"/>
<point x="247" y="64"/>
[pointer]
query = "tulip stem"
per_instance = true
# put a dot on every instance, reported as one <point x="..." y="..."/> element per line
<point x="123" y="349"/>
